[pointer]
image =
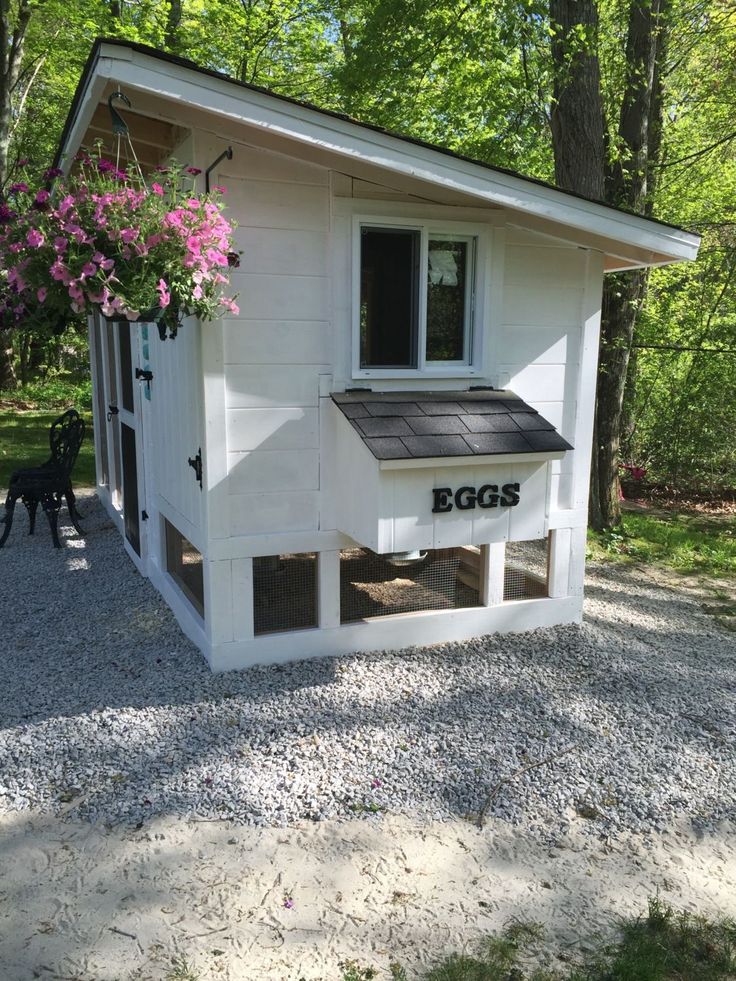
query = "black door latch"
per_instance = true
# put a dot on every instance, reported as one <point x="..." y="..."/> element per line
<point x="143" y="375"/>
<point x="112" y="411"/>
<point x="196" y="464"/>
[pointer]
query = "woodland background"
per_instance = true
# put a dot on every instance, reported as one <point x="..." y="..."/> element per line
<point x="629" y="101"/>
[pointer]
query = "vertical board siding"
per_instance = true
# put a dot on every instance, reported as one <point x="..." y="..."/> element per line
<point x="176" y="414"/>
<point x="277" y="348"/>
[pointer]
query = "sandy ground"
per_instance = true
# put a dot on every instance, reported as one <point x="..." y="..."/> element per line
<point x="83" y="902"/>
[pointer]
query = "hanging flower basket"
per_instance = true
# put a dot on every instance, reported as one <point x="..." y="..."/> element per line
<point x="105" y="239"/>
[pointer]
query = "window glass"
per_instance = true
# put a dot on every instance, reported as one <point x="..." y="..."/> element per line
<point x="389" y="291"/>
<point x="447" y="282"/>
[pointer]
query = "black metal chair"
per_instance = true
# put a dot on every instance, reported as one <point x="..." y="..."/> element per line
<point x="49" y="483"/>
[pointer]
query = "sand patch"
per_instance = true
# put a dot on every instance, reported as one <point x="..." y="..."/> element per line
<point x="84" y="902"/>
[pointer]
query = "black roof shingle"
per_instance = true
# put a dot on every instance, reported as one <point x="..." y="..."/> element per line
<point x="420" y="425"/>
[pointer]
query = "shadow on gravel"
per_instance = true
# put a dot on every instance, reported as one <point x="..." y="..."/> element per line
<point x="106" y="709"/>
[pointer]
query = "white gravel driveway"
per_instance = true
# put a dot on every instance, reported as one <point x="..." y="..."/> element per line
<point x="107" y="712"/>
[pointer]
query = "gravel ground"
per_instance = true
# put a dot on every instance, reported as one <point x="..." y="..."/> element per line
<point x="107" y="712"/>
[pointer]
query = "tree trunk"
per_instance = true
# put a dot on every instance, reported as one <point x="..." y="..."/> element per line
<point x="622" y="298"/>
<point x="12" y="40"/>
<point x="577" y="119"/>
<point x="173" y="22"/>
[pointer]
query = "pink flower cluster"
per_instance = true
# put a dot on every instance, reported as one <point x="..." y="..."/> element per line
<point x="107" y="240"/>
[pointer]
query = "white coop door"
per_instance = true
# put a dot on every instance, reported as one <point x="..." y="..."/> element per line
<point x="173" y="427"/>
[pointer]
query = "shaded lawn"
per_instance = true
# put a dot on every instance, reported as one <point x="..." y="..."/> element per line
<point x="690" y="542"/>
<point x="24" y="442"/>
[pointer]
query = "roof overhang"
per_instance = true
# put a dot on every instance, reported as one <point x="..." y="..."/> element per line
<point x="172" y="93"/>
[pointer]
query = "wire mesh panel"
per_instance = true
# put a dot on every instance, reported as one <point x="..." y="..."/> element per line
<point x="284" y="592"/>
<point x="184" y="565"/>
<point x="374" y="585"/>
<point x="525" y="573"/>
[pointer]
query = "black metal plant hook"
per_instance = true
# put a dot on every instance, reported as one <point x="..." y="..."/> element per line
<point x="119" y="126"/>
<point x="225" y="153"/>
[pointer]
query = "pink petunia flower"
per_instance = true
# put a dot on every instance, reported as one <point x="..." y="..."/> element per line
<point x="34" y="238"/>
<point x="41" y="293"/>
<point x="164" y="296"/>
<point x="157" y="189"/>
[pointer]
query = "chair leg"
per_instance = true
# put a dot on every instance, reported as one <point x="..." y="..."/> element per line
<point x="51" y="507"/>
<point x="9" y="508"/>
<point x="31" y="507"/>
<point x="71" y="503"/>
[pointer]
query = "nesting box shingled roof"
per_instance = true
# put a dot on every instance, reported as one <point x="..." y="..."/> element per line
<point x="420" y="425"/>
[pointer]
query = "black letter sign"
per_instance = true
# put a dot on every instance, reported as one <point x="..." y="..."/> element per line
<point x="465" y="498"/>
<point x="511" y="492"/>
<point x="441" y="499"/>
<point x="488" y="496"/>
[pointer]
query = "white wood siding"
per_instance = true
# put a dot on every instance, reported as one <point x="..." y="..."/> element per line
<point x="538" y="348"/>
<point x="276" y="350"/>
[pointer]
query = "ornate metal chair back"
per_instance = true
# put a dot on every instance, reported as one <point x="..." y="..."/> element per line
<point x="65" y="439"/>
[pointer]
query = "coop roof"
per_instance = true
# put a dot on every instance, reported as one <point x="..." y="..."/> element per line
<point x="169" y="93"/>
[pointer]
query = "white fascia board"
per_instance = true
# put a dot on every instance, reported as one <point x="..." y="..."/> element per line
<point x="184" y="86"/>
<point x="437" y="462"/>
<point x="83" y="118"/>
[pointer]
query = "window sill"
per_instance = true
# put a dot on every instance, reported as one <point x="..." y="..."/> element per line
<point x="455" y="371"/>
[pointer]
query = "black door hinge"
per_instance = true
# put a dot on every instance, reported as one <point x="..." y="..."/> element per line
<point x="196" y="464"/>
<point x="144" y="515"/>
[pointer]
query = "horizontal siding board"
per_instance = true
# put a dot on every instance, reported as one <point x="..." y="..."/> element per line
<point x="278" y="251"/>
<point x="273" y="470"/>
<point x="276" y="204"/>
<point x="543" y="306"/>
<point x="272" y="429"/>
<point x="262" y="514"/>
<point x="268" y="165"/>
<point x="282" y="297"/>
<point x="277" y="342"/>
<point x="548" y="266"/>
<point x="539" y="345"/>
<point x="259" y="386"/>
<point x="538" y="382"/>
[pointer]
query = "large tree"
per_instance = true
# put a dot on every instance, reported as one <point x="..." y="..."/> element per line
<point x="616" y="165"/>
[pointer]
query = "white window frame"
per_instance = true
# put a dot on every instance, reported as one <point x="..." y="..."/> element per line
<point x="430" y="228"/>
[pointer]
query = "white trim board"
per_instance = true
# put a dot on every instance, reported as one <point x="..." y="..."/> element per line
<point x="393" y="633"/>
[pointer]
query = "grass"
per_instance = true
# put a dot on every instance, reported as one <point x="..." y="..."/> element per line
<point x="24" y="442"/>
<point x="663" y="945"/>
<point x="692" y="543"/>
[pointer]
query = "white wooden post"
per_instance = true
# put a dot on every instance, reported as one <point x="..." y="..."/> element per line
<point x="493" y="585"/>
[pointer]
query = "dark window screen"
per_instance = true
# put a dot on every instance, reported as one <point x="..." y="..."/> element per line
<point x="446" y="290"/>
<point x="184" y="565"/>
<point x="389" y="291"/>
<point x="130" y="489"/>
<point x="126" y="366"/>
